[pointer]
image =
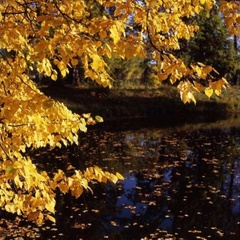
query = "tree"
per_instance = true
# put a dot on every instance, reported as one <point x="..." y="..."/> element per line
<point x="53" y="35"/>
<point x="127" y="72"/>
<point x="211" y="45"/>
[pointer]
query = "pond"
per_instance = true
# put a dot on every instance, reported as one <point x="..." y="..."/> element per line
<point x="181" y="182"/>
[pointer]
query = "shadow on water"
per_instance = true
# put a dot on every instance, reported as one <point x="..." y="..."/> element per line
<point x="180" y="183"/>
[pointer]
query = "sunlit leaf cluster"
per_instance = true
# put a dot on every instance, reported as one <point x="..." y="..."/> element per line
<point x="49" y="38"/>
<point x="53" y="36"/>
<point x="25" y="190"/>
<point x="231" y="13"/>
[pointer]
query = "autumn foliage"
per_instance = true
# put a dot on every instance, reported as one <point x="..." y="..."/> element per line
<point x="49" y="37"/>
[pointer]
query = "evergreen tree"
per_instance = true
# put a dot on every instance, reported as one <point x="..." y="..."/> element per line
<point x="212" y="45"/>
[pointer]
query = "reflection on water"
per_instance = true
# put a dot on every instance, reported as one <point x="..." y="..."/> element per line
<point x="178" y="185"/>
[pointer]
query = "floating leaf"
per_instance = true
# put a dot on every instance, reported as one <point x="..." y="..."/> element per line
<point x="98" y="119"/>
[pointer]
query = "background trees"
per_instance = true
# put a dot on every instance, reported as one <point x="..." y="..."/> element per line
<point x="212" y="45"/>
<point x="53" y="36"/>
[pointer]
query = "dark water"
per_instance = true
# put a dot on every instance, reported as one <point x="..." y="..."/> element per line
<point x="180" y="183"/>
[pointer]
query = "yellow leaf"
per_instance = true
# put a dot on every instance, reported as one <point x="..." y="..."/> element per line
<point x="10" y="208"/>
<point x="103" y="34"/>
<point x="113" y="178"/>
<point x="84" y="183"/>
<point x="50" y="218"/>
<point x="86" y="115"/>
<point x="35" y="202"/>
<point x="115" y="34"/>
<point x="50" y="206"/>
<point x="58" y="176"/>
<point x="62" y="67"/>
<point x="183" y="95"/>
<point x="83" y="121"/>
<point x="74" y="62"/>
<point x="208" y="91"/>
<point x="70" y="167"/>
<point x="97" y="63"/>
<point x="82" y="127"/>
<point x="47" y="67"/>
<point x="77" y="191"/>
<point x="53" y="185"/>
<point x="63" y="187"/>
<point x="162" y="77"/>
<point x="54" y="77"/>
<point x="33" y="215"/>
<point x="198" y="9"/>
<point x="119" y="176"/>
<point x="199" y="71"/>
<point x="191" y="97"/>
<point x="13" y="3"/>
<point x="217" y="92"/>
<point x="207" y="69"/>
<point x="17" y="182"/>
<point x="17" y="165"/>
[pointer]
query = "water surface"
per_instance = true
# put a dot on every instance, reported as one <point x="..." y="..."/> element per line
<point x="180" y="183"/>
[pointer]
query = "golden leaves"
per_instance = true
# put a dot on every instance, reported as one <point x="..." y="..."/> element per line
<point x="61" y="66"/>
<point x="202" y="70"/>
<point x="230" y="11"/>
<point x="35" y="216"/>
<point x="79" y="180"/>
<point x="218" y="85"/>
<point x="186" y="92"/>
<point x="35" y="120"/>
<point x="33" y="193"/>
<point x="187" y="89"/>
<point x="64" y="34"/>
<point x="45" y="66"/>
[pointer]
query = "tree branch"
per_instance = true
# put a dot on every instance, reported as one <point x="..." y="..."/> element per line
<point x="150" y="39"/>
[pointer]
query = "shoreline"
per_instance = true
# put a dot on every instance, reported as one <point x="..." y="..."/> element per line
<point x="123" y="104"/>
